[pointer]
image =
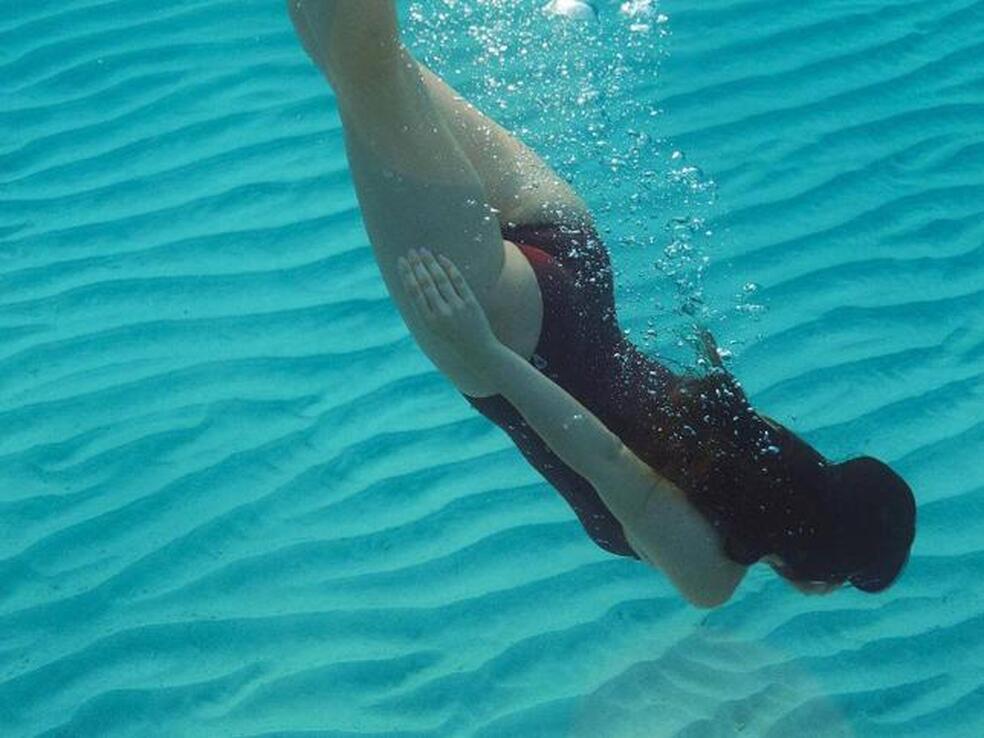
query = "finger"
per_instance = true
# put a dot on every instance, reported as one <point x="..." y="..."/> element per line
<point x="439" y="274"/>
<point x="437" y="304"/>
<point x="458" y="280"/>
<point x="412" y="286"/>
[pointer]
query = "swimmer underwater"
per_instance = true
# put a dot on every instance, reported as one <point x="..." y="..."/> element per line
<point x="495" y="265"/>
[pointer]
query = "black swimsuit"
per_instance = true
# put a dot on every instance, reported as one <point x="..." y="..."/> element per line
<point x="582" y="349"/>
<point x="697" y="431"/>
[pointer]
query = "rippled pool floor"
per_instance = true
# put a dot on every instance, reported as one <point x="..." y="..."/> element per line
<point x="236" y="501"/>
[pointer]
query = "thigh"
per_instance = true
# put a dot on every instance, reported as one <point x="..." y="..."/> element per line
<point x="518" y="183"/>
<point x="417" y="188"/>
<point x="415" y="185"/>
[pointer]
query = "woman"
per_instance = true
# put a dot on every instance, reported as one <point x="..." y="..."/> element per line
<point x="512" y="300"/>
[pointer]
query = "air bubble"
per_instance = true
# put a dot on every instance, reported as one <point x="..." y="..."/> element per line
<point x="581" y="10"/>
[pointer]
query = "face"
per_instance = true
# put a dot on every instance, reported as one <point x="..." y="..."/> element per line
<point x="815" y="588"/>
<point x="810" y="588"/>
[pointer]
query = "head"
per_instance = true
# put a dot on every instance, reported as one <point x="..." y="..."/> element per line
<point x="770" y="494"/>
<point x="870" y="521"/>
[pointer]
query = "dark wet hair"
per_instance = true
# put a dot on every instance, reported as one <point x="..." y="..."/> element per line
<point x="766" y="490"/>
<point x="871" y="518"/>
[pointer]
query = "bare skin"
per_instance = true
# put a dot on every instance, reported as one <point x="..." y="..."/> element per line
<point x="810" y="588"/>
<point x="430" y="168"/>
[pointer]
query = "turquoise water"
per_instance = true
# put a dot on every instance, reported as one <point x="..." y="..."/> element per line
<point x="236" y="501"/>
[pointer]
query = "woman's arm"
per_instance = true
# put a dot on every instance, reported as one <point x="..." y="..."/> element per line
<point x="660" y="523"/>
<point x="579" y="439"/>
<point x="572" y="432"/>
<point x="658" y="519"/>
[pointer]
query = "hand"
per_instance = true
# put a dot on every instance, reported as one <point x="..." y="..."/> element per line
<point x="446" y="304"/>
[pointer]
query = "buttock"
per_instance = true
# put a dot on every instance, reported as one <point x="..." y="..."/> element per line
<point x="573" y="270"/>
<point x="578" y="249"/>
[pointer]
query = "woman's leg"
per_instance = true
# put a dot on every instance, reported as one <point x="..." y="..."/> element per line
<point x="518" y="183"/>
<point x="415" y="184"/>
<point x="431" y="170"/>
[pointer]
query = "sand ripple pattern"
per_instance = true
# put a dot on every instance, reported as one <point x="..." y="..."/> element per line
<point x="236" y="502"/>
